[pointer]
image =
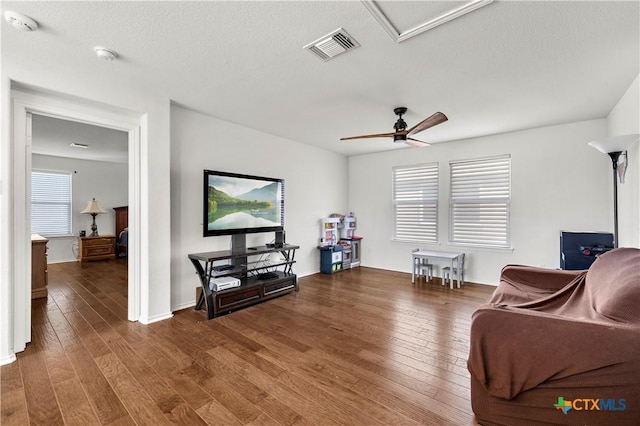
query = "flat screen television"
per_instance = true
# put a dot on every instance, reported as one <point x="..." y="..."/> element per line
<point x="241" y="204"/>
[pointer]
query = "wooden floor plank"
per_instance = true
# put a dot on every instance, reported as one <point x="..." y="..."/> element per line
<point x="364" y="346"/>
<point x="306" y="409"/>
<point x="42" y="405"/>
<point x="13" y="406"/>
<point x="74" y="403"/>
<point x="141" y="407"/>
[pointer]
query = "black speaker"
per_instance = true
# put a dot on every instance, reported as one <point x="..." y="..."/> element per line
<point x="280" y="239"/>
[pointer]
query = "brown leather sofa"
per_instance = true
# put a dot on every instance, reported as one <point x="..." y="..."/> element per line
<point x="560" y="347"/>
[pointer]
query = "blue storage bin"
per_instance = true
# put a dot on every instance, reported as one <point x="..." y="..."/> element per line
<point x="330" y="259"/>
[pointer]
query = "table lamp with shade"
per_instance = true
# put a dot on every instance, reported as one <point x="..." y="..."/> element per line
<point x="94" y="208"/>
<point x="616" y="148"/>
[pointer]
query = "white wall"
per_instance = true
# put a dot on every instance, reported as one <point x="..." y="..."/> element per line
<point x="154" y="110"/>
<point x="558" y="183"/>
<point x="625" y="119"/>
<point x="106" y="182"/>
<point x="315" y="186"/>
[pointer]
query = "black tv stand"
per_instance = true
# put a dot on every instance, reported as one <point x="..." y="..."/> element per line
<point x="267" y="275"/>
<point x="253" y="289"/>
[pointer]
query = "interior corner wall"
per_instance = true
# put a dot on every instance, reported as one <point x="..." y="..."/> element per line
<point x="558" y="183"/>
<point x="315" y="186"/>
<point x="104" y="181"/>
<point x="625" y="119"/>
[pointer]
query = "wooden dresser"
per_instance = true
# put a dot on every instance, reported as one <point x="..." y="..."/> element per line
<point x="96" y="248"/>
<point x="39" y="277"/>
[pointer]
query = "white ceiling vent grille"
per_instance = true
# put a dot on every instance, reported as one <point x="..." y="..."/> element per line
<point x="332" y="45"/>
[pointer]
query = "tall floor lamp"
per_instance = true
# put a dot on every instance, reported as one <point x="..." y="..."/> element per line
<point x="94" y="208"/>
<point x="616" y="148"/>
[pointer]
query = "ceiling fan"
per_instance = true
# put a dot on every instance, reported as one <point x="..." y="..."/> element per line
<point x="402" y="134"/>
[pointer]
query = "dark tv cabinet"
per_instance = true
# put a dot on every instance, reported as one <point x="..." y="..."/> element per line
<point x="252" y="289"/>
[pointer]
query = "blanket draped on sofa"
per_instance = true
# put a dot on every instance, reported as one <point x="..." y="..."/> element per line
<point x="547" y="334"/>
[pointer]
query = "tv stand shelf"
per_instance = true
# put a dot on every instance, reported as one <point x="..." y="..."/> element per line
<point x="252" y="289"/>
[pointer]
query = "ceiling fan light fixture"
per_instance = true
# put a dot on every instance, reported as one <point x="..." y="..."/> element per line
<point x="402" y="134"/>
<point x="399" y="138"/>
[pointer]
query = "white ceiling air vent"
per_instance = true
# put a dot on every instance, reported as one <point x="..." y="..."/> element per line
<point x="332" y="45"/>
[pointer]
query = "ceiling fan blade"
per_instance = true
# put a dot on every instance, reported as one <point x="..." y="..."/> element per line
<point x="416" y="143"/>
<point x="379" y="135"/>
<point x="434" y="120"/>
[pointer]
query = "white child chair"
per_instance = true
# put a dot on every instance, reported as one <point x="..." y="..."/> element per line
<point x="422" y="267"/>
<point x="447" y="273"/>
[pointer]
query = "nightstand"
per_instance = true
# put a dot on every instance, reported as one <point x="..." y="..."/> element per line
<point x="96" y="248"/>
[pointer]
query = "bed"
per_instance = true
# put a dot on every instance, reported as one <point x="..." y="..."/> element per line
<point x="122" y="230"/>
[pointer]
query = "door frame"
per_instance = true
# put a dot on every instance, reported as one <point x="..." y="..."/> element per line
<point x="135" y="124"/>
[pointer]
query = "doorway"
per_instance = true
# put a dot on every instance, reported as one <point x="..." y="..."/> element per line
<point x="25" y="105"/>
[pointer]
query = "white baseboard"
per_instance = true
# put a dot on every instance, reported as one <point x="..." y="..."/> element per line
<point x="155" y="318"/>
<point x="182" y="306"/>
<point x="8" y="359"/>
<point x="62" y="261"/>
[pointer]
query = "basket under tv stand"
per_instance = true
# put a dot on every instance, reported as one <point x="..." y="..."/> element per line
<point x="252" y="289"/>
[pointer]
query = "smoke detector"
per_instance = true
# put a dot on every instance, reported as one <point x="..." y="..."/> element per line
<point x="104" y="53"/>
<point x="20" y="21"/>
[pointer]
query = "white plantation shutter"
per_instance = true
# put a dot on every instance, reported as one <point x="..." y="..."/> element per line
<point x="415" y="202"/>
<point x="51" y="203"/>
<point x="479" y="204"/>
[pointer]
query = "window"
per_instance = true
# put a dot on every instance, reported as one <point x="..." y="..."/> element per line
<point x="415" y="203"/>
<point x="479" y="204"/>
<point x="51" y="203"/>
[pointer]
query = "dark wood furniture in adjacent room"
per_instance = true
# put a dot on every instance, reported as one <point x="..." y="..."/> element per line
<point x="122" y="230"/>
<point x="254" y="288"/>
<point x="39" y="277"/>
<point x="96" y="248"/>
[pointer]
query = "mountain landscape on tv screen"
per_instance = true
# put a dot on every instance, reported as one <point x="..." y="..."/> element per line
<point x="255" y="208"/>
<point x="266" y="193"/>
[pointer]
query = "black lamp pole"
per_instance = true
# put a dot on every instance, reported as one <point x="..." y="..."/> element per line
<point x="94" y="227"/>
<point x="614" y="158"/>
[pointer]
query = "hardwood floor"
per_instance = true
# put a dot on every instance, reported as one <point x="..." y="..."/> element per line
<point x="362" y="347"/>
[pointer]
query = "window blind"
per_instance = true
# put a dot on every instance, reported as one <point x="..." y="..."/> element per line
<point x="479" y="203"/>
<point x="51" y="203"/>
<point x="415" y="201"/>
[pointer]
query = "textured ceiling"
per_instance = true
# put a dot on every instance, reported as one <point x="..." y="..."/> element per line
<point x="507" y="66"/>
